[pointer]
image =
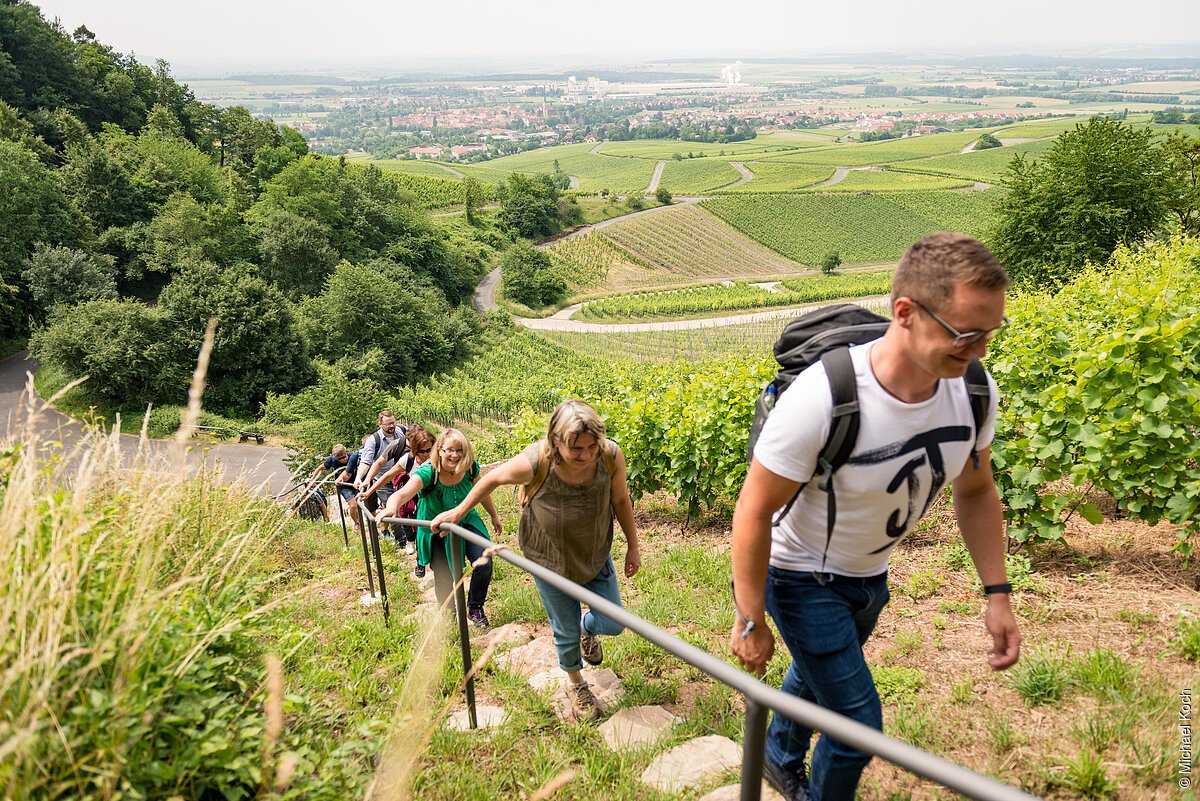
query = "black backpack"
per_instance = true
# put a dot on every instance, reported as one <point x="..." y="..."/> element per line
<point x="825" y="335"/>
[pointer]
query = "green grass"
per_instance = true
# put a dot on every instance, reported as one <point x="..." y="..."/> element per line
<point x="1041" y="677"/>
<point x="889" y="181"/>
<point x="657" y="149"/>
<point x="863" y="229"/>
<point x="770" y="176"/>
<point x="982" y="165"/>
<point x="884" y="152"/>
<point x="697" y="176"/>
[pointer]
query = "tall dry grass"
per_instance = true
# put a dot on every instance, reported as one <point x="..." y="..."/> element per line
<point x="128" y="611"/>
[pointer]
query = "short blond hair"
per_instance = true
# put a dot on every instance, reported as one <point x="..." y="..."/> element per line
<point x="339" y="451"/>
<point x="570" y="419"/>
<point x="448" y="437"/>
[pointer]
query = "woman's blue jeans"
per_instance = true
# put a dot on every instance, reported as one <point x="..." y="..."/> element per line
<point x="824" y="620"/>
<point x="565" y="620"/>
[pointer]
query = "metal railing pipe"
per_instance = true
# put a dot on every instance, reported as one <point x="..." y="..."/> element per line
<point x="857" y="735"/>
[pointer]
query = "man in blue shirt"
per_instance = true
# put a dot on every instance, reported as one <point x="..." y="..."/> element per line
<point x="348" y="462"/>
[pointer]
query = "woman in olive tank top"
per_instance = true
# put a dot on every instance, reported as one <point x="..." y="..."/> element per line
<point x="575" y="487"/>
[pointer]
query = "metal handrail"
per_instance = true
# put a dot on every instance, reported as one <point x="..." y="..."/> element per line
<point x="759" y="696"/>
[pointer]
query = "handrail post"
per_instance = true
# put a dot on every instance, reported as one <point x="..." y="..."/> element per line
<point x="754" y="741"/>
<point x="457" y="546"/>
<point x="379" y="567"/>
<point x="362" y="533"/>
<point x="337" y="490"/>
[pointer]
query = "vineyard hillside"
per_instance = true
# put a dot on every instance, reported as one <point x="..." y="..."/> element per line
<point x="863" y="229"/>
<point x="681" y="244"/>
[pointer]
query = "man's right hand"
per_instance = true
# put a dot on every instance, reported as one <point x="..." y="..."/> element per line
<point x="755" y="650"/>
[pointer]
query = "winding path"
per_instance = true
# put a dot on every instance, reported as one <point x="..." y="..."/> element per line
<point x="450" y="170"/>
<point x="838" y="176"/>
<point x="658" y="171"/>
<point x="747" y="176"/>
<point x="259" y="466"/>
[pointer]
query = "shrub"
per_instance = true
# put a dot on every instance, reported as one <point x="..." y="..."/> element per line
<point x="527" y="276"/>
<point x="62" y="275"/>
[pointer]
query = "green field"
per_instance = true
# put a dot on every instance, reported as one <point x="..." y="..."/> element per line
<point x="886" y="181"/>
<point x="697" y="176"/>
<point x="1036" y="129"/>
<point x="981" y="165"/>
<point x="667" y="148"/>
<point x="863" y="229"/>
<point x="775" y="176"/>
<point x="889" y="150"/>
<point x="409" y="166"/>
<point x="686" y="243"/>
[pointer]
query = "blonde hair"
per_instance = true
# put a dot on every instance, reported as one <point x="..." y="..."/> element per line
<point x="570" y="419"/>
<point x="339" y="450"/>
<point x="452" y="436"/>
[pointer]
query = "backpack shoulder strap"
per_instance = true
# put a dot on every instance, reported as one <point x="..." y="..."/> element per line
<point x="843" y="434"/>
<point x="375" y="443"/>
<point x="980" y="396"/>
<point x="540" y="471"/>
<point x="428" y="489"/>
<point x="473" y="473"/>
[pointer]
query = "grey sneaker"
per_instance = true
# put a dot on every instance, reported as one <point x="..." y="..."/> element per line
<point x="477" y="618"/>
<point x="792" y="786"/>
<point x="583" y="701"/>
<point x="410" y="547"/>
<point x="589" y="647"/>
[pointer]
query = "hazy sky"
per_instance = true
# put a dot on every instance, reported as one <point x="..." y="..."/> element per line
<point x="229" y="34"/>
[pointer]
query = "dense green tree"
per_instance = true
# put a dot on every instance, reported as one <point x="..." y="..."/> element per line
<point x="33" y="209"/>
<point x="1101" y="184"/>
<point x="986" y="141"/>
<point x="296" y="252"/>
<point x="101" y="188"/>
<point x="527" y="276"/>
<point x="258" y="347"/>
<point x="363" y="308"/>
<point x="472" y="198"/>
<point x="1183" y="153"/>
<point x="16" y="128"/>
<point x="831" y="262"/>
<point x="128" y="350"/>
<point x="663" y="196"/>
<point x="528" y="205"/>
<point x="62" y="276"/>
<point x="186" y="231"/>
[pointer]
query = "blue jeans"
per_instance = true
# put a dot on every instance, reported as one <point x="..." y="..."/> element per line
<point x="824" y="628"/>
<point x="563" y="611"/>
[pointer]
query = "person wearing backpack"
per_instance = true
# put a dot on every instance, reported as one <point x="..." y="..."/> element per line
<point x="572" y="487"/>
<point x="405" y="457"/>
<point x="373" y="446"/>
<point x="813" y="530"/>
<point x="443" y="483"/>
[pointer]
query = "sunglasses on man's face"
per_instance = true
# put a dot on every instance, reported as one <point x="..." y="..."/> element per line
<point x="963" y="339"/>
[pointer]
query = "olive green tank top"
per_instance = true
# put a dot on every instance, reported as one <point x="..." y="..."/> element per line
<point x="568" y="528"/>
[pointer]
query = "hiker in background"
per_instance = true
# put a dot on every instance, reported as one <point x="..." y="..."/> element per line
<point x="374" y="445"/>
<point x="819" y="567"/>
<point x="573" y="486"/>
<point x="440" y="484"/>
<point x="348" y="461"/>
<point x="419" y="447"/>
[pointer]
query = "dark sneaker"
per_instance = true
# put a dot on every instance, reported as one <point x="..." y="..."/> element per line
<point x="589" y="647"/>
<point x="583" y="701"/>
<point x="477" y="618"/>
<point x="420" y="571"/>
<point x="792" y="786"/>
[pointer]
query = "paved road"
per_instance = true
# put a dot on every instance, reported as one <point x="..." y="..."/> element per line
<point x="658" y="170"/>
<point x="746" y="174"/>
<point x="259" y="466"/>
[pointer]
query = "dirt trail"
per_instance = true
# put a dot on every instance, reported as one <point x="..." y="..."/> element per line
<point x="450" y="170"/>
<point x="838" y="176"/>
<point x="574" y="182"/>
<point x="658" y="171"/>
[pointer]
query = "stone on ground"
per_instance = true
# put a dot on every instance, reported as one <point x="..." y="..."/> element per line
<point x="530" y="659"/>
<point x="733" y="792"/>
<point x="636" y="726"/>
<point x="693" y="763"/>
<point x="487" y="716"/>
<point x="606" y="686"/>
<point x="508" y="634"/>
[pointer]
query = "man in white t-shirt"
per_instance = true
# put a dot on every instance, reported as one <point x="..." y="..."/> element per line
<point x="917" y="433"/>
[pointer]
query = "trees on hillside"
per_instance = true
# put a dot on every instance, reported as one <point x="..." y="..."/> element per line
<point x="1101" y="184"/>
<point x="527" y="276"/>
<point x="529" y="205"/>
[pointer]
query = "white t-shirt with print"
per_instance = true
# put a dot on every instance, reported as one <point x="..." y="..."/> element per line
<point x="905" y="454"/>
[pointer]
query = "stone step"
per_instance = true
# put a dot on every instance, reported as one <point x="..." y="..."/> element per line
<point x="487" y="716"/>
<point x="733" y="792"/>
<point x="693" y="763"/>
<point x="636" y="726"/>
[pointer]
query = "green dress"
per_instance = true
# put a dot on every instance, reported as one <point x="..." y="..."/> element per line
<point x="433" y="504"/>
